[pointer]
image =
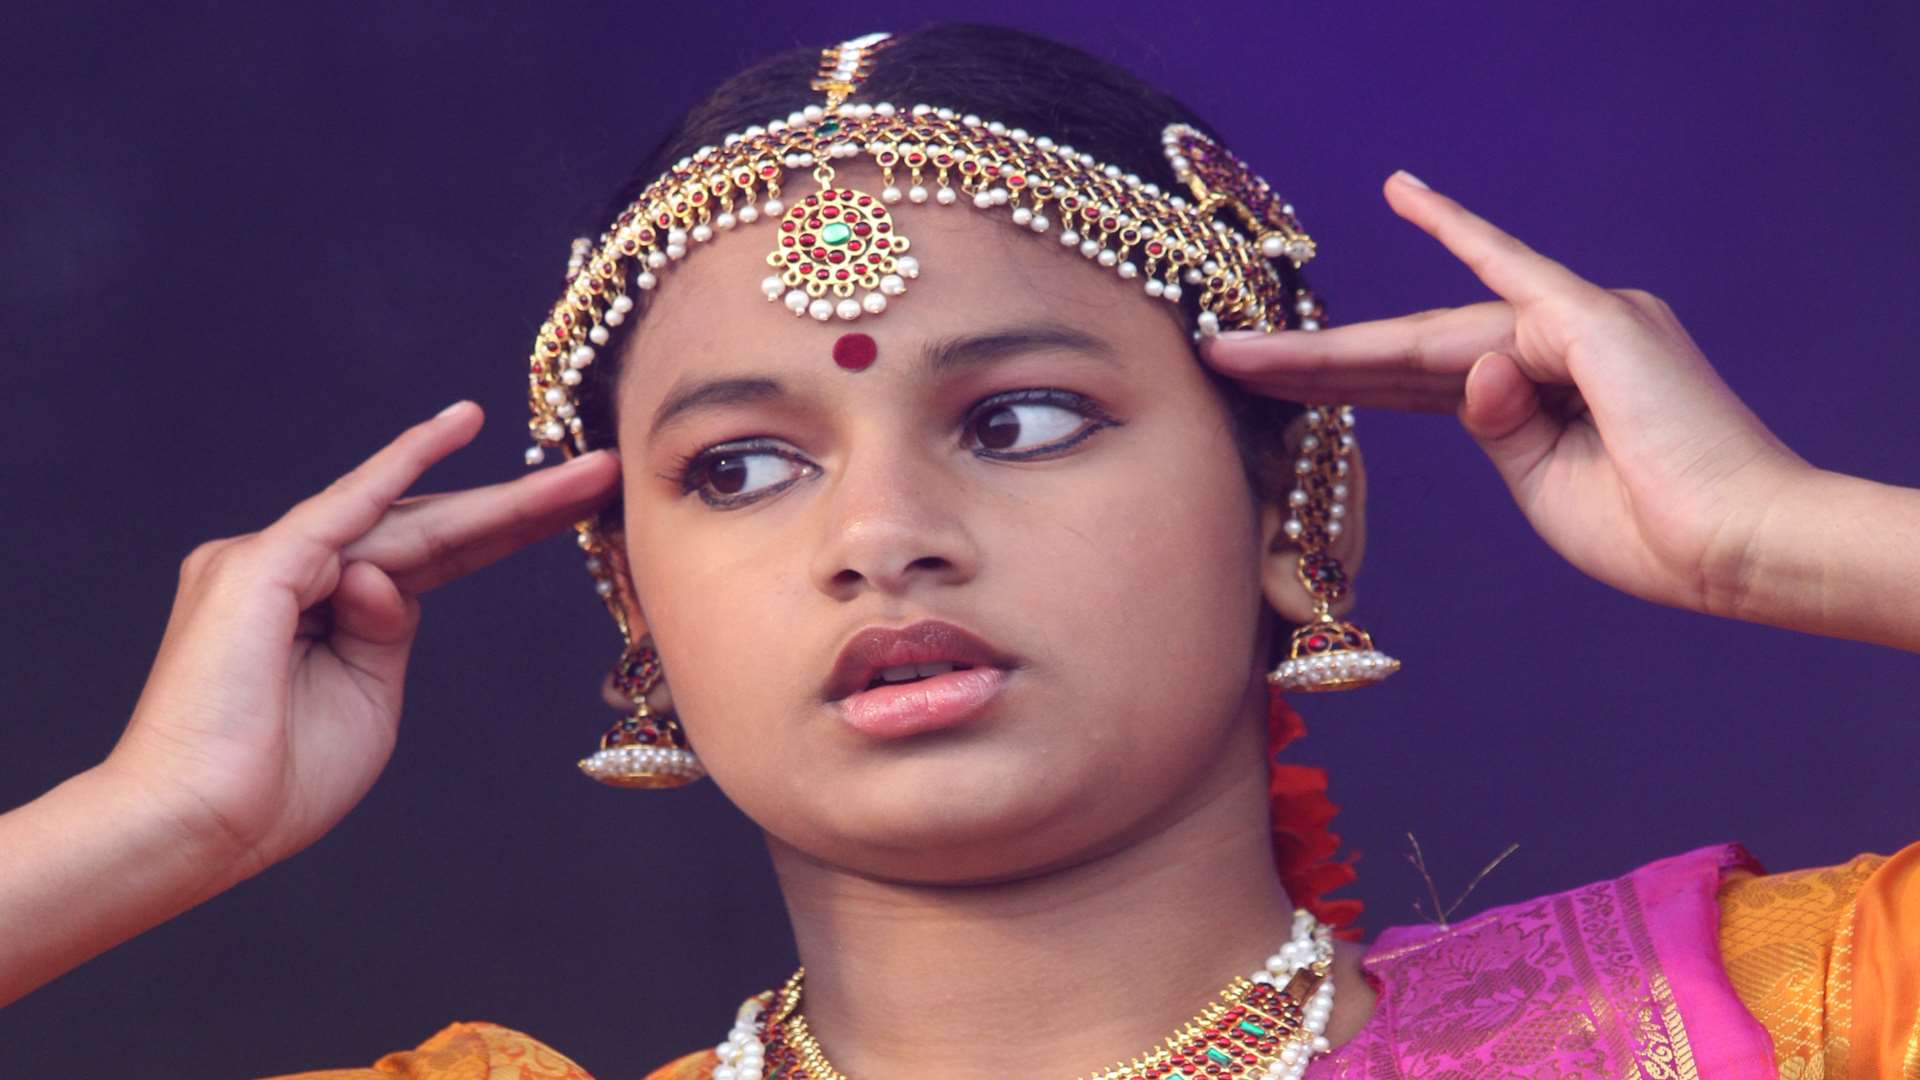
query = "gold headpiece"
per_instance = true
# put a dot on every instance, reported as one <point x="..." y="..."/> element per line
<point x="837" y="253"/>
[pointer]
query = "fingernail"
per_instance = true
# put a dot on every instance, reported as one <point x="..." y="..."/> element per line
<point x="449" y="409"/>
<point x="1241" y="335"/>
<point x="1412" y="179"/>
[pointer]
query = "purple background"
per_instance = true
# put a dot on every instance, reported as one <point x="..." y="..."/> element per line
<point x="244" y="248"/>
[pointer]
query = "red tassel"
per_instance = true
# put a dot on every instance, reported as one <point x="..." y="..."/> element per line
<point x="1303" y="846"/>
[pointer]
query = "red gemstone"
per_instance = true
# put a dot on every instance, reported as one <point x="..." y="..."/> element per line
<point x="855" y="351"/>
<point x="1317" y="643"/>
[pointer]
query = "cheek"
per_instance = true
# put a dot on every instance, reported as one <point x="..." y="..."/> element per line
<point x="1151" y="586"/>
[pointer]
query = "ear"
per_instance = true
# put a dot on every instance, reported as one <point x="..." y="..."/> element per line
<point x="1279" y="579"/>
<point x="623" y="603"/>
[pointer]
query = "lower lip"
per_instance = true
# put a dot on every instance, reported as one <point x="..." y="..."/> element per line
<point x="891" y="712"/>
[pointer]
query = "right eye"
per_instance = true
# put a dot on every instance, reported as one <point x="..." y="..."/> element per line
<point x="729" y="476"/>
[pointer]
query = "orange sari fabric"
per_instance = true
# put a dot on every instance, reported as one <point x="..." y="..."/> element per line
<point x="1828" y="959"/>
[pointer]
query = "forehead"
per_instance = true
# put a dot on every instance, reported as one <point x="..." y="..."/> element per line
<point x="977" y="269"/>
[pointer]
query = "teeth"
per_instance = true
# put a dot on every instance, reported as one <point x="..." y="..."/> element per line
<point x="910" y="672"/>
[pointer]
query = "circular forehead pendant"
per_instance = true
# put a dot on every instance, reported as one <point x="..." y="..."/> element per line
<point x="839" y="255"/>
<point x="855" y="351"/>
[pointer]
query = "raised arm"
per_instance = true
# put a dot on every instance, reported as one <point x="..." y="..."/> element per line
<point x="1621" y="444"/>
<point x="273" y="703"/>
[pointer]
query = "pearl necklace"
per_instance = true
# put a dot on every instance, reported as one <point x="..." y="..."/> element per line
<point x="1264" y="1027"/>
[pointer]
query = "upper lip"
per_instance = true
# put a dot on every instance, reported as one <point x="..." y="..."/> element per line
<point x="877" y="648"/>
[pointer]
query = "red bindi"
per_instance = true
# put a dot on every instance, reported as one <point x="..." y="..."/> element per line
<point x="854" y="351"/>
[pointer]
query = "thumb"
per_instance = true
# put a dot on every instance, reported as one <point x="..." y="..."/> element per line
<point x="1502" y="412"/>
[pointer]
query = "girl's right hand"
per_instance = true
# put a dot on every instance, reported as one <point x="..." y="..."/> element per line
<point x="275" y="699"/>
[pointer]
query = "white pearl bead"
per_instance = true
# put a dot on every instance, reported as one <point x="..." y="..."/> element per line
<point x="1333" y="528"/>
<point x="821" y="309"/>
<point x="581" y="357"/>
<point x="1339" y="491"/>
<point x="1069" y="238"/>
<point x="1155" y="287"/>
<point x="1311" y="442"/>
<point x="982" y="199"/>
<point x="646" y="280"/>
<point x="676" y="251"/>
<point x="749" y="214"/>
<point x="1171" y="292"/>
<point x="535" y="455"/>
<point x="889" y="194"/>
<point x="565" y="411"/>
<point x="908" y="266"/>
<point x="1273" y="247"/>
<point x="772" y="286"/>
<point x="812" y="112"/>
<point x="702" y="233"/>
<point x="1303" y="466"/>
<point x="1296" y="497"/>
<point x="555" y="396"/>
<point x="917" y="194"/>
<point x="656" y="259"/>
<point x="726" y="220"/>
<point x="946" y="196"/>
<point x="1309" y="324"/>
<point x="874" y="302"/>
<point x="893" y="285"/>
<point x="1106" y="257"/>
<point x="553" y="431"/>
<point x="613" y="317"/>
<point x="999" y="196"/>
<point x="1294" y="528"/>
<point x="1209" y="323"/>
<point x="1338" y="510"/>
<point x="1039" y="223"/>
<point x="1089" y="248"/>
<point x="848" y="308"/>
<point x="623" y="303"/>
<point x="676" y="235"/>
<point x="775" y="207"/>
<point x="1128" y="270"/>
<point x="1022" y="215"/>
<point x="570" y="377"/>
<point x="598" y="335"/>
<point x="797" y="301"/>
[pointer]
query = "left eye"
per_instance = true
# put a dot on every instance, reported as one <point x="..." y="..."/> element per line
<point x="1015" y="426"/>
<point x="731" y="476"/>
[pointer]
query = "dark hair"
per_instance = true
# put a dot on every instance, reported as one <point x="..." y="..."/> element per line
<point x="1019" y="78"/>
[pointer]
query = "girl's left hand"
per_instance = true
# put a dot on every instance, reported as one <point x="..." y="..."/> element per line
<point x="1624" y="448"/>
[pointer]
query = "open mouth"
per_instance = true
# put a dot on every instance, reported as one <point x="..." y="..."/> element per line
<point x="909" y="673"/>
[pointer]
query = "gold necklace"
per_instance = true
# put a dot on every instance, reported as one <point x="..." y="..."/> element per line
<point x="1278" y="1016"/>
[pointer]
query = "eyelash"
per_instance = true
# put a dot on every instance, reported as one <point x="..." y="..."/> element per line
<point x="687" y="473"/>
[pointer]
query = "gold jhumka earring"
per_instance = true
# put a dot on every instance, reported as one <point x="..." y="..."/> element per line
<point x="837" y="255"/>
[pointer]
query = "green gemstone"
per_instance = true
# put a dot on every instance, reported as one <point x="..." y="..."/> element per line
<point x="1252" y="1028"/>
<point x="1219" y="1055"/>
<point x="829" y="127"/>
<point x="837" y="233"/>
<point x="1176" y="1076"/>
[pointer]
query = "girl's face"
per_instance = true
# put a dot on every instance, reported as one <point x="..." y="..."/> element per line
<point x="1035" y="457"/>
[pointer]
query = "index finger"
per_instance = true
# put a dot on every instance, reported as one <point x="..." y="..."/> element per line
<point x="1416" y="362"/>
<point x="1501" y="261"/>
<point x="425" y="541"/>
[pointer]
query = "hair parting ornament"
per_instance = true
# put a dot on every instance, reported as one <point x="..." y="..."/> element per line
<point x="837" y="254"/>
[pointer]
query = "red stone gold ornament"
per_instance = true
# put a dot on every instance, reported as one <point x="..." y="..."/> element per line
<point x="1326" y="653"/>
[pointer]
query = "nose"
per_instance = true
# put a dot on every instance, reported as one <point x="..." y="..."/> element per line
<point x="893" y="523"/>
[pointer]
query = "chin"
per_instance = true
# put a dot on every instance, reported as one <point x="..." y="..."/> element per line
<point x="956" y="811"/>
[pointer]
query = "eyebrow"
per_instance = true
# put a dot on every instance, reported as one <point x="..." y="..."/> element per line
<point x="938" y="356"/>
